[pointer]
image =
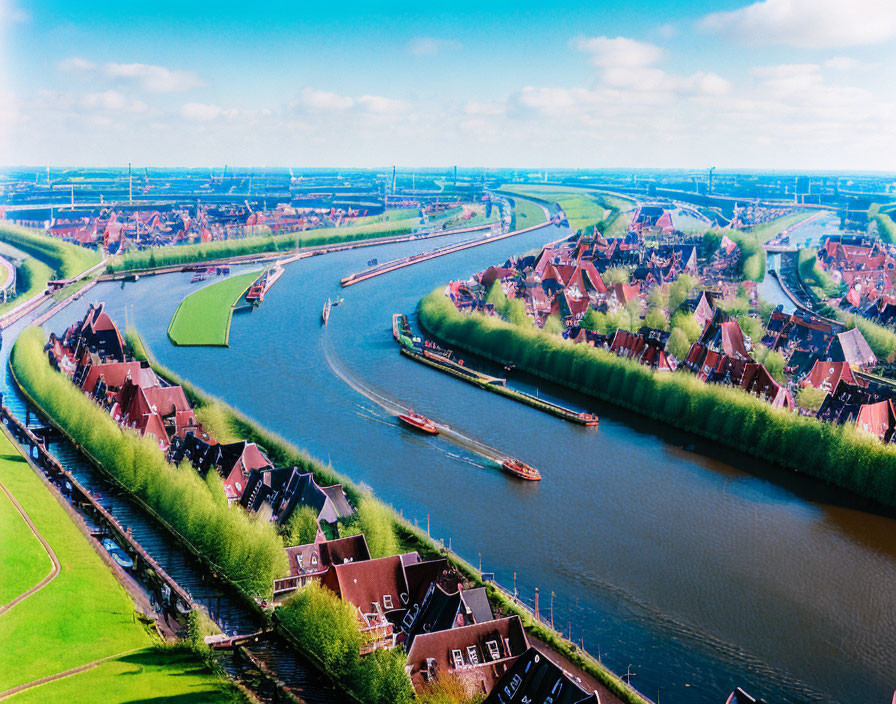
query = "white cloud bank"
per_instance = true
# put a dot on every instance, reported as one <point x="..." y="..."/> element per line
<point x="808" y="24"/>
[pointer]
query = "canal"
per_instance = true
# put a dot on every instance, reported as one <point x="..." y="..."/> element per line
<point x="699" y="569"/>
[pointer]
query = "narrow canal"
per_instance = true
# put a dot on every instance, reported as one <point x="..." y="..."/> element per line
<point x="698" y="568"/>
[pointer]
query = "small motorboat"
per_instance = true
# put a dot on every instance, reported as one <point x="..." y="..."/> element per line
<point x="119" y="555"/>
<point x="415" y="420"/>
<point x="339" y="302"/>
<point x="520" y="470"/>
<point x="325" y="314"/>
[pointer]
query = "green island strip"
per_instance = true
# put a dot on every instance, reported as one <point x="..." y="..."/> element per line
<point x="203" y="317"/>
<point x="526" y="213"/>
<point x="585" y="208"/>
<point x="81" y="617"/>
<point x="837" y="454"/>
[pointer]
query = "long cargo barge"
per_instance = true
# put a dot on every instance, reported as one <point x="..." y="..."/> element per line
<point x="499" y="386"/>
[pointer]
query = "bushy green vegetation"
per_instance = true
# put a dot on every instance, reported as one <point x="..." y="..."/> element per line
<point x="301" y="527"/>
<point x="881" y="340"/>
<point x="222" y="249"/>
<point x="68" y="260"/>
<point x="810" y="398"/>
<point x="447" y="689"/>
<point x="616" y="275"/>
<point x="203" y="317"/>
<point x="327" y="628"/>
<point x="249" y="553"/>
<point x="813" y="276"/>
<point x="886" y="228"/>
<point x="836" y="454"/>
<point x="751" y="266"/>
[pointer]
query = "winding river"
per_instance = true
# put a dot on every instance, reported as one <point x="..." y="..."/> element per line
<point x="699" y="569"/>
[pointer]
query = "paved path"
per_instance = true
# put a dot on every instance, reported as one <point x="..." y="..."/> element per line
<point x="53" y="572"/>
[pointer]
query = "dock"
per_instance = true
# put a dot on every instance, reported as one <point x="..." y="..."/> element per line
<point x="499" y="386"/>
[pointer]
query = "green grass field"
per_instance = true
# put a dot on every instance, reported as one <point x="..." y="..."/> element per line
<point x="153" y="675"/>
<point x="583" y="207"/>
<point x="526" y="214"/>
<point x="23" y="560"/>
<point x="81" y="616"/>
<point x="203" y="317"/>
<point x="767" y="230"/>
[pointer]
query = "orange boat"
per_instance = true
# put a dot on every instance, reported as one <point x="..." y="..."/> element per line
<point x="415" y="420"/>
<point x="520" y="470"/>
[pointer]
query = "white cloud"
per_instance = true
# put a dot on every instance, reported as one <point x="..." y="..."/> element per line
<point x="112" y="101"/>
<point x="430" y="46"/>
<point x="811" y="24"/>
<point x="11" y="14"/>
<point x="381" y="105"/>
<point x="155" y="79"/>
<point x="325" y="100"/>
<point x="200" y="112"/>
<point x="620" y="52"/>
<point x="76" y="63"/>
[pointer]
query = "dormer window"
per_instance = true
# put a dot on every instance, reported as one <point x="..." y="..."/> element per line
<point x="493" y="652"/>
<point x="458" y="658"/>
<point x="472" y="655"/>
<point x="387" y="601"/>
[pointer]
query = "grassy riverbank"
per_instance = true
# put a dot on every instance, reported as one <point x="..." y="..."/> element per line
<point x="81" y="616"/>
<point x="386" y="531"/>
<point x="203" y="317"/>
<point x="248" y="553"/>
<point x="839" y="455"/>
<point x="67" y="260"/>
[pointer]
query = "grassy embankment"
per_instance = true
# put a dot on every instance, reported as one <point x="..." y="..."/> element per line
<point x="203" y="317"/>
<point x="248" y="553"/>
<point x="525" y="214"/>
<point x="48" y="258"/>
<point x="81" y="616"/>
<point x="886" y="228"/>
<point x="326" y="637"/>
<point x="839" y="455"/>
<point x="584" y="207"/>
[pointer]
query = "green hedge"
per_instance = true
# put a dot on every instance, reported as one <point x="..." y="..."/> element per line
<point x="839" y="455"/>
<point x="886" y="228"/>
<point x="247" y="552"/>
<point x="222" y="249"/>
<point x="68" y="260"/>
<point x="384" y="529"/>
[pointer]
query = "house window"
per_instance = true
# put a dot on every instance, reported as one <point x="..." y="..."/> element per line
<point x="387" y="601"/>
<point x="493" y="651"/>
<point x="458" y="657"/>
<point x="472" y="655"/>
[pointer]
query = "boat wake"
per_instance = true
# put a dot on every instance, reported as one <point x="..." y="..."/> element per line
<point x="394" y="407"/>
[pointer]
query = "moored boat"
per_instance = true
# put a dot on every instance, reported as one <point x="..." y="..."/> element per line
<point x="119" y="555"/>
<point x="325" y="314"/>
<point x="520" y="469"/>
<point x="415" y="420"/>
<point x="258" y="290"/>
<point x="589" y="419"/>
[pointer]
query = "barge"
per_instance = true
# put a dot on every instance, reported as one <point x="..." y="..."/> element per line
<point x="520" y="470"/>
<point x="258" y="290"/>
<point x="325" y="313"/>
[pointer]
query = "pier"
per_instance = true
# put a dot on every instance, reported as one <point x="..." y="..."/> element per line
<point x="499" y="386"/>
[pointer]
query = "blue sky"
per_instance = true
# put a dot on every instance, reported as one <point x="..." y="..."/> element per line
<point x="771" y="84"/>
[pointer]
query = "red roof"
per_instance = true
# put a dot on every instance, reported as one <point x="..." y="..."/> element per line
<point x="876" y="418"/>
<point x="826" y="375"/>
<point x="733" y="340"/>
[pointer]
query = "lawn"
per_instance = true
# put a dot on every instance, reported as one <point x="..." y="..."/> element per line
<point x="583" y="207"/>
<point x="81" y="616"/>
<point x="772" y="228"/>
<point x="203" y="317"/>
<point x="151" y="675"/>
<point x="526" y="214"/>
<point x="23" y="560"/>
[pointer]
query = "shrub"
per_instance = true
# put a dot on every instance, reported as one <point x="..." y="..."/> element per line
<point x="301" y="527"/>
<point x="688" y="325"/>
<point x="678" y="344"/>
<point x="616" y="275"/>
<point x="377" y="522"/>
<point x="811" y="398"/>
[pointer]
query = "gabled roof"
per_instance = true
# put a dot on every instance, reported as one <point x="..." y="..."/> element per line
<point x="364" y="584"/>
<point x="854" y="349"/>
<point x="827" y="375"/>
<point x="435" y="652"/>
<point x="534" y="678"/>
<point x="115" y="373"/>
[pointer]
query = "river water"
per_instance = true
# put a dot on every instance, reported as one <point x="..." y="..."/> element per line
<point x="700" y="569"/>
